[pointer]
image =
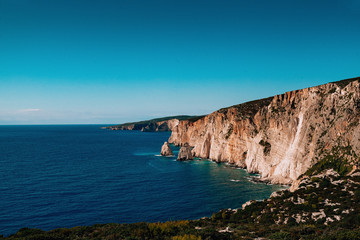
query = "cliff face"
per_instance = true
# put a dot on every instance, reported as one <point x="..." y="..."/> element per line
<point x="161" y="126"/>
<point x="279" y="137"/>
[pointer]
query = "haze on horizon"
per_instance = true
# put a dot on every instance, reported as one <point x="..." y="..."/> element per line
<point x="64" y="62"/>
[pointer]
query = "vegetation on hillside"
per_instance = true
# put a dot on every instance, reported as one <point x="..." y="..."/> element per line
<point x="248" y="109"/>
<point x="339" y="158"/>
<point x="345" y="82"/>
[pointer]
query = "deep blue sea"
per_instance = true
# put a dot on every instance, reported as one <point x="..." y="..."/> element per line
<point x="71" y="175"/>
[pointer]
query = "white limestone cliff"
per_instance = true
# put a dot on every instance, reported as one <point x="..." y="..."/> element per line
<point x="279" y="137"/>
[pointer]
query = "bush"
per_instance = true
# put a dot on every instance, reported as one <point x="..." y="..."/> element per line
<point x="315" y="179"/>
<point x="23" y="232"/>
<point x="167" y="228"/>
<point x="281" y="236"/>
<point x="186" y="237"/>
<point x="335" y="160"/>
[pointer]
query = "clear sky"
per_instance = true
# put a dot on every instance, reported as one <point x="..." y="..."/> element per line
<point x="112" y="61"/>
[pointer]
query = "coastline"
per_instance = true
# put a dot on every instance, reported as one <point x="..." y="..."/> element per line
<point x="191" y="189"/>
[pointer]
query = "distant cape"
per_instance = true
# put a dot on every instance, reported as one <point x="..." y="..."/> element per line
<point x="164" y="124"/>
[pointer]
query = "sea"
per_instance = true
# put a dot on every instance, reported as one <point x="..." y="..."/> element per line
<point x="62" y="176"/>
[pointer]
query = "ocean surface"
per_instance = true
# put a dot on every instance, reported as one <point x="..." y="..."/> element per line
<point x="70" y="175"/>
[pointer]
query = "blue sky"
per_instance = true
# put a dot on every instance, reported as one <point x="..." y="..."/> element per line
<point x="112" y="61"/>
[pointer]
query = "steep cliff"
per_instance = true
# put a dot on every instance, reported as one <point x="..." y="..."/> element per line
<point x="280" y="137"/>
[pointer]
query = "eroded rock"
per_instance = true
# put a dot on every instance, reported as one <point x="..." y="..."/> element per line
<point x="185" y="153"/>
<point x="166" y="150"/>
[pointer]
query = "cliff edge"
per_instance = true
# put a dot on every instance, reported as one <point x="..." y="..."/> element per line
<point x="280" y="137"/>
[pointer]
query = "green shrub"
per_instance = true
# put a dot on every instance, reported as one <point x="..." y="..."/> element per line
<point x="167" y="228"/>
<point x="23" y="232"/>
<point x="186" y="237"/>
<point x="281" y="236"/>
<point x="315" y="179"/>
<point x="335" y="160"/>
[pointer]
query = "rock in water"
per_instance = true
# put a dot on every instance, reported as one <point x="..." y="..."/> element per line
<point x="185" y="153"/>
<point x="166" y="150"/>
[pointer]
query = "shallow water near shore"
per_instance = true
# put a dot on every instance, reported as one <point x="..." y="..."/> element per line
<point x="58" y="176"/>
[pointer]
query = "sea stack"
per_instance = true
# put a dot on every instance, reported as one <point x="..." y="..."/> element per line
<point x="166" y="150"/>
<point x="185" y="153"/>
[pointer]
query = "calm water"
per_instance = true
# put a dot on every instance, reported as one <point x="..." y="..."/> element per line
<point x="65" y="176"/>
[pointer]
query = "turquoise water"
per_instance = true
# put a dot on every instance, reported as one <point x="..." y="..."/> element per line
<point x="71" y="175"/>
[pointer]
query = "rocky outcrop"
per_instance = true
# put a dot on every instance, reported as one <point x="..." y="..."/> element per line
<point x="148" y="126"/>
<point x="185" y="153"/>
<point x="154" y="125"/>
<point x="279" y="137"/>
<point x="305" y="179"/>
<point x="166" y="150"/>
<point x="248" y="203"/>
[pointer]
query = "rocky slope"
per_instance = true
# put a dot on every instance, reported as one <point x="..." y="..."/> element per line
<point x="280" y="137"/>
<point x="154" y="125"/>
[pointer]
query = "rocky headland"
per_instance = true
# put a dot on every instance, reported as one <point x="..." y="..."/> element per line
<point x="280" y="137"/>
<point x="308" y="138"/>
<point x="154" y="125"/>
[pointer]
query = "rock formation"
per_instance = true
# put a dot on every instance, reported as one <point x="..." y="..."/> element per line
<point x="279" y="137"/>
<point x="185" y="153"/>
<point x="154" y="125"/>
<point x="166" y="150"/>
